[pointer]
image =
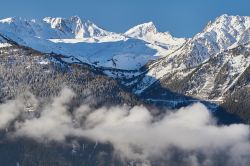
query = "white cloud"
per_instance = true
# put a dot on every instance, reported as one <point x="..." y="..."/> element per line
<point x="54" y="122"/>
<point x="135" y="133"/>
<point x="9" y="111"/>
<point x="190" y="128"/>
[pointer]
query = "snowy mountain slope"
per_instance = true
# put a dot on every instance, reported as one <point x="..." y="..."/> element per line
<point x="130" y="54"/>
<point x="212" y="81"/>
<point x="226" y="32"/>
<point x="85" y="42"/>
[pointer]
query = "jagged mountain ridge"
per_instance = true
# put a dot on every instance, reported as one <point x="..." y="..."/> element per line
<point x="53" y="28"/>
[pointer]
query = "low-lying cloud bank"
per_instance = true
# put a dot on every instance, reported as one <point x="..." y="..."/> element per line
<point x="134" y="132"/>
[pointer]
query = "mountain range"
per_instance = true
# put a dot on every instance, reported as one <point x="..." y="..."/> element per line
<point x="209" y="66"/>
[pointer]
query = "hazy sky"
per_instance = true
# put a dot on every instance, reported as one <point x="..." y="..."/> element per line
<point x="182" y="18"/>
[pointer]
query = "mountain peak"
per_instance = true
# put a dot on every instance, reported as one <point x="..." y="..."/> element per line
<point x="142" y="30"/>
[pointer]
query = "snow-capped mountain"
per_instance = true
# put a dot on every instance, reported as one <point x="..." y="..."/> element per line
<point x="83" y="41"/>
<point x="149" y="33"/>
<point x="206" y="66"/>
<point x="224" y="32"/>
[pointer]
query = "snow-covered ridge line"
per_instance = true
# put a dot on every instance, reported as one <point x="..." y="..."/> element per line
<point x="54" y="28"/>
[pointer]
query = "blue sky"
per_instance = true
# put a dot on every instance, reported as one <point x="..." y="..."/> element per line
<point x="182" y="18"/>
